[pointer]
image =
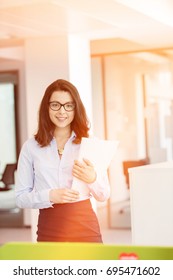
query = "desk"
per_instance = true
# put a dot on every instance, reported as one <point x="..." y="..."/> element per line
<point x="10" y="214"/>
<point x="7" y="199"/>
<point x="81" y="251"/>
<point x="151" y="192"/>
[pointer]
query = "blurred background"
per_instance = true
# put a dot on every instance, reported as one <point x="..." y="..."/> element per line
<point x="119" y="54"/>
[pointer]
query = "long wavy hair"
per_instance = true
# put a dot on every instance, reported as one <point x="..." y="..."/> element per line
<point x="80" y="123"/>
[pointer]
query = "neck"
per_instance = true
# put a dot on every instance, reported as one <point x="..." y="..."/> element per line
<point x="62" y="133"/>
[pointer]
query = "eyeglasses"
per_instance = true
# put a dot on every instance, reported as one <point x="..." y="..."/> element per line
<point x="56" y="106"/>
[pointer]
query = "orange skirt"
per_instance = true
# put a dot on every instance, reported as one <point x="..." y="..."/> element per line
<point x="69" y="222"/>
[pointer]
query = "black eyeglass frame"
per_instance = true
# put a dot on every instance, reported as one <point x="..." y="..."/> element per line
<point x="62" y="105"/>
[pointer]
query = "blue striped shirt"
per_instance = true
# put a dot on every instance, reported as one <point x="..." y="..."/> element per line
<point x="40" y="169"/>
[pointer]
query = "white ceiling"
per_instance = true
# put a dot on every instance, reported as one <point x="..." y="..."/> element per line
<point x="145" y="22"/>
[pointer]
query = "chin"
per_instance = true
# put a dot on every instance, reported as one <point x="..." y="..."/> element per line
<point x="62" y="125"/>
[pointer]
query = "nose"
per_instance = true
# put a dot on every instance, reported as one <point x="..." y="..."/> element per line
<point x="62" y="110"/>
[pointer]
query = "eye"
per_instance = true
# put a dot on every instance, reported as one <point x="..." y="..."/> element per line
<point x="54" y="104"/>
<point x="70" y="106"/>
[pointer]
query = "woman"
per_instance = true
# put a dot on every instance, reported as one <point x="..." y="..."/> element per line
<point x="47" y="164"/>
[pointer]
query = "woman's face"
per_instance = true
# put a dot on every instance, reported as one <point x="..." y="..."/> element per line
<point x="61" y="117"/>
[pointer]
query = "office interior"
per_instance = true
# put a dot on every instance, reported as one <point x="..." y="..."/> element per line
<point x="119" y="54"/>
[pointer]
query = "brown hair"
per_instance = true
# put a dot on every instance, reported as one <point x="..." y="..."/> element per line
<point x="80" y="123"/>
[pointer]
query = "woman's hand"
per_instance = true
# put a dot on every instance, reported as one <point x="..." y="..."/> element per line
<point x="84" y="171"/>
<point x="63" y="195"/>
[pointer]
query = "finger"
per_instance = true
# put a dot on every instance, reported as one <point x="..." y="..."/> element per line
<point x="78" y="163"/>
<point x="71" y="196"/>
<point x="76" y="167"/>
<point x="79" y="176"/>
<point x="69" y="199"/>
<point x="76" y="174"/>
<point x="69" y="193"/>
<point x="87" y="162"/>
<point x="73" y="192"/>
<point x="78" y="171"/>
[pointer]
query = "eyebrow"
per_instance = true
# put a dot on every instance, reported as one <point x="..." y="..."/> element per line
<point x="61" y="103"/>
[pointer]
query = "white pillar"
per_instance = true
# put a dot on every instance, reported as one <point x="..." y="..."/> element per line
<point x="80" y="69"/>
<point x="80" y="74"/>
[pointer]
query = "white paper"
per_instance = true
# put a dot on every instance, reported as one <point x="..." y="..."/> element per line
<point x="99" y="153"/>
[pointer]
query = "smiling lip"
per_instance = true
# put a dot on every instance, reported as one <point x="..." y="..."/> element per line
<point x="61" y="118"/>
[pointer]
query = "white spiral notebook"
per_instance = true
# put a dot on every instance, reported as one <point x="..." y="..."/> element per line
<point x="100" y="153"/>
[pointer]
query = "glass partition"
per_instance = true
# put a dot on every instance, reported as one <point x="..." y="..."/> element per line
<point x="7" y="125"/>
<point x="134" y="93"/>
<point x="10" y="214"/>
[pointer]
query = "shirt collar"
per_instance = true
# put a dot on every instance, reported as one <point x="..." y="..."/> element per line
<point x="73" y="135"/>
